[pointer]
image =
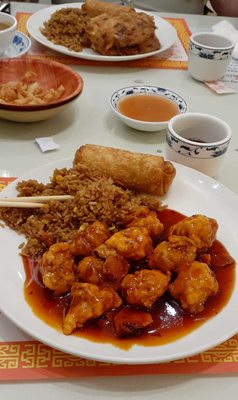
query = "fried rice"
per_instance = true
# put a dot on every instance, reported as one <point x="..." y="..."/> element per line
<point x="94" y="197"/>
<point x="66" y="27"/>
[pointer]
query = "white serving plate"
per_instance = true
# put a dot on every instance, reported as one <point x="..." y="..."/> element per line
<point x="165" y="32"/>
<point x="192" y="192"/>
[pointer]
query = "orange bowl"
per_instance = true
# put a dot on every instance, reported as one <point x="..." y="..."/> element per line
<point x="35" y="115"/>
<point x="50" y="75"/>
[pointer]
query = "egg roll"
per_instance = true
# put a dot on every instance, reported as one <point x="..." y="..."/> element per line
<point x="140" y="172"/>
<point x="94" y="7"/>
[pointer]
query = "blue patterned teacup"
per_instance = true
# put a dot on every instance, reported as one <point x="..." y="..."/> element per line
<point x="209" y="56"/>
<point x="197" y="140"/>
<point x="8" y="27"/>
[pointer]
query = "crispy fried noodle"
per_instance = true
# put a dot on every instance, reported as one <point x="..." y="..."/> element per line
<point x="27" y="91"/>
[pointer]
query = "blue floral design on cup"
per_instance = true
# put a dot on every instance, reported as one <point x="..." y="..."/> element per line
<point x="195" y="150"/>
<point x="211" y="54"/>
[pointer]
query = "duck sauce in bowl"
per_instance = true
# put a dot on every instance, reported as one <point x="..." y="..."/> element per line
<point x="147" y="108"/>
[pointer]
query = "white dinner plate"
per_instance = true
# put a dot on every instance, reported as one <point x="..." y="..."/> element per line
<point x="19" y="46"/>
<point x="190" y="193"/>
<point x="166" y="33"/>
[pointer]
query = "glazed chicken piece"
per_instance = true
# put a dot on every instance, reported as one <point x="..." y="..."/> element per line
<point x="199" y="228"/>
<point x="90" y="237"/>
<point x="148" y="219"/>
<point x="114" y="270"/>
<point x="89" y="270"/>
<point x="57" y="268"/>
<point x="88" y="302"/>
<point x="193" y="286"/>
<point x="104" y="251"/>
<point x="108" y="272"/>
<point x="205" y="258"/>
<point x="144" y="287"/>
<point x="131" y="322"/>
<point x="133" y="243"/>
<point x="170" y="256"/>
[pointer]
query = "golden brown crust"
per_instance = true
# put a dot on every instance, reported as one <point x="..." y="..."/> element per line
<point x="94" y="7"/>
<point x="122" y="34"/>
<point x="137" y="171"/>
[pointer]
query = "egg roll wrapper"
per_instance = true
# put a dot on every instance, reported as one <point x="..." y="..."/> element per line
<point x="94" y="7"/>
<point x="136" y="171"/>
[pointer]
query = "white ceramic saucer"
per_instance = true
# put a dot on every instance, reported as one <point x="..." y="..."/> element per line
<point x="20" y="45"/>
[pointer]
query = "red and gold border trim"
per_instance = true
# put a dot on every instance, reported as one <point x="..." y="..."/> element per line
<point x="34" y="360"/>
<point x="5" y="181"/>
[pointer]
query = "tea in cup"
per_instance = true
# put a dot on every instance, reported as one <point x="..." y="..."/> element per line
<point x="209" y="56"/>
<point x="8" y="27"/>
<point x="198" y="140"/>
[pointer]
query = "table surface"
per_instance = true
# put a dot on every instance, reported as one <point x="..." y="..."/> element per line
<point x="91" y="121"/>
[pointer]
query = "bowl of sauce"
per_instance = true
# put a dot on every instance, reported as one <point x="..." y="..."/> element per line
<point x="147" y="108"/>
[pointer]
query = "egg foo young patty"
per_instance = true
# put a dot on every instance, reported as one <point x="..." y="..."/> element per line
<point x="95" y="197"/>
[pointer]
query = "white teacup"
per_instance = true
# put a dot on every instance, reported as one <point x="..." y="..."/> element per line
<point x="197" y="140"/>
<point x="209" y="56"/>
<point x="8" y="27"/>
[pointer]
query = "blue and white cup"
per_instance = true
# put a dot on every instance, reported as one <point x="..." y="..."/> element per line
<point x="209" y="56"/>
<point x="197" y="140"/>
<point x="8" y="27"/>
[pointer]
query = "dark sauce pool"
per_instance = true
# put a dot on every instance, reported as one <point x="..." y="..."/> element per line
<point x="170" y="322"/>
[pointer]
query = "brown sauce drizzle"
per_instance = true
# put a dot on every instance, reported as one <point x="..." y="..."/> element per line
<point x="170" y="322"/>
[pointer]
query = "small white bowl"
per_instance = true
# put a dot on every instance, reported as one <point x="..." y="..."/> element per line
<point x="152" y="90"/>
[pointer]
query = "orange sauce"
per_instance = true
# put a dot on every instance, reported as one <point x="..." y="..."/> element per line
<point x="170" y="322"/>
<point x="147" y="107"/>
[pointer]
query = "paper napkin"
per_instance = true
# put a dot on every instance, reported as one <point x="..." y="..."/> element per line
<point x="225" y="28"/>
